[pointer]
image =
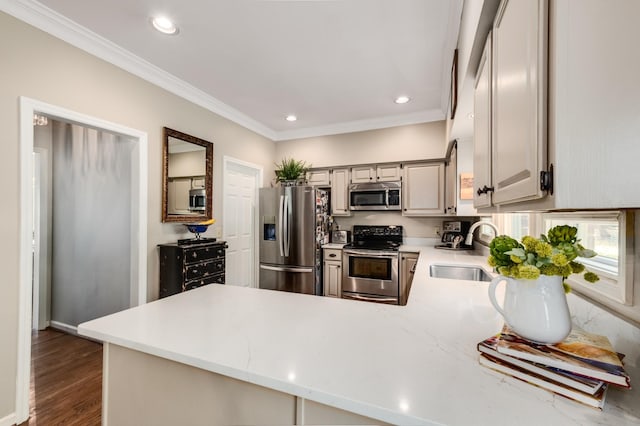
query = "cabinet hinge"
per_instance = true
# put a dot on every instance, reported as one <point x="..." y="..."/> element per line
<point x="546" y="180"/>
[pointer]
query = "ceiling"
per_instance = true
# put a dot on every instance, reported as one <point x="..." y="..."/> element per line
<point x="337" y="65"/>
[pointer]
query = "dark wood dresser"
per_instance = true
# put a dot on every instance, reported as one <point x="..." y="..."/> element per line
<point x="190" y="265"/>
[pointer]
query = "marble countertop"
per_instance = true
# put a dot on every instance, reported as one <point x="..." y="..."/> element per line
<point x="413" y="364"/>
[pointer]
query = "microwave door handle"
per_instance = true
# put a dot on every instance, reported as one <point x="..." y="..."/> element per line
<point x="386" y="197"/>
<point x="280" y="225"/>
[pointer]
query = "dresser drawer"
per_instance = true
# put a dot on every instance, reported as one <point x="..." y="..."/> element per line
<point x="332" y="254"/>
<point x="204" y="269"/>
<point x="212" y="279"/>
<point x="198" y="254"/>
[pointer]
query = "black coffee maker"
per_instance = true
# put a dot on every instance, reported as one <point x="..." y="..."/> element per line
<point x="453" y="235"/>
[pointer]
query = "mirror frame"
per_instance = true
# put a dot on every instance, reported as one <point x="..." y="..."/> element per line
<point x="208" y="184"/>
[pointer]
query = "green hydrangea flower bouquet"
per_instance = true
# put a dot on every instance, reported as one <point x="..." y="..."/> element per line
<point x="551" y="254"/>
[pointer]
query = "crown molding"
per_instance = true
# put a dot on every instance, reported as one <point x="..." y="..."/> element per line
<point x="419" y="117"/>
<point x="59" y="26"/>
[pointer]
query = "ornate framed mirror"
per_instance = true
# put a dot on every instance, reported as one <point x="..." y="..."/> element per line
<point x="187" y="178"/>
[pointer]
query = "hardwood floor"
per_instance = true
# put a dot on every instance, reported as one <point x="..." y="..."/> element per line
<point x="66" y="380"/>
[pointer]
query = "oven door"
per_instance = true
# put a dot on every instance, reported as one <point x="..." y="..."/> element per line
<point x="370" y="275"/>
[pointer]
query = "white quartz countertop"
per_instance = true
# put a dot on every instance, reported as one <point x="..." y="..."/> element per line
<point x="408" y="365"/>
<point x="333" y="246"/>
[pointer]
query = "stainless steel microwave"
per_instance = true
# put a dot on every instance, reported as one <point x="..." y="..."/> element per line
<point x="197" y="200"/>
<point x="375" y="196"/>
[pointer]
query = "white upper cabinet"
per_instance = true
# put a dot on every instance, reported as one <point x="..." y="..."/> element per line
<point x="340" y="193"/>
<point x="379" y="173"/>
<point x="451" y="183"/>
<point x="518" y="99"/>
<point x="482" y="131"/>
<point x="388" y="172"/>
<point x="423" y="189"/>
<point x="319" y="177"/>
<point x="566" y="138"/>
<point x="363" y="174"/>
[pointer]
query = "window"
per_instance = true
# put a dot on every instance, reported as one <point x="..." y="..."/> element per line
<point x="516" y="225"/>
<point x="603" y="232"/>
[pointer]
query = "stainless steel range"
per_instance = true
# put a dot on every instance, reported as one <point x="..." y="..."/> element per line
<point x="370" y="264"/>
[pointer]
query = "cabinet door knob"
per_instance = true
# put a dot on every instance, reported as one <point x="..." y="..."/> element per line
<point x="332" y="255"/>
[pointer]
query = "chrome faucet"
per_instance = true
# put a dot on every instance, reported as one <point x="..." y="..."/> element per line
<point x="469" y="240"/>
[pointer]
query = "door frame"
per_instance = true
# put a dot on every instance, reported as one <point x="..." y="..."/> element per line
<point x="258" y="173"/>
<point x="138" y="241"/>
<point x="40" y="157"/>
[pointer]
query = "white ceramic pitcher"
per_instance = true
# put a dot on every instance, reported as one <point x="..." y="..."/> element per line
<point x="535" y="309"/>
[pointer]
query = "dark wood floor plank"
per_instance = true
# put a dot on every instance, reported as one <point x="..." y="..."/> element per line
<point x="66" y="380"/>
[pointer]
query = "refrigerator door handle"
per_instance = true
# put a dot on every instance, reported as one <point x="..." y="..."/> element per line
<point x="280" y="226"/>
<point x="287" y="224"/>
<point x="286" y="269"/>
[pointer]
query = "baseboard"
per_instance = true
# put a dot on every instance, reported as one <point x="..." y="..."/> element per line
<point x="71" y="329"/>
<point x="9" y="420"/>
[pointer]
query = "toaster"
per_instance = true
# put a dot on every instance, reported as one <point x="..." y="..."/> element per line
<point x="340" y="237"/>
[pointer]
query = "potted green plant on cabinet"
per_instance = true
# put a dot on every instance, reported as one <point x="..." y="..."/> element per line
<point x="291" y="172"/>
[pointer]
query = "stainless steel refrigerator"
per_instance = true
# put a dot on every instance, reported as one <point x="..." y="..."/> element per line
<point x="294" y="223"/>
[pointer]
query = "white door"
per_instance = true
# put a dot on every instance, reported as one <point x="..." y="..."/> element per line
<point x="240" y="210"/>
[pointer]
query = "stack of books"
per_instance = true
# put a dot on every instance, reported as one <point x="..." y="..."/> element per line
<point x="580" y="368"/>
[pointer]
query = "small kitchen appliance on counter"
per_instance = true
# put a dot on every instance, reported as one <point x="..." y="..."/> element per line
<point x="453" y="234"/>
<point x="340" y="237"/>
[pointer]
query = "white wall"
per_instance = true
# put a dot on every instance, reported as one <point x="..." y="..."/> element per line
<point x="41" y="67"/>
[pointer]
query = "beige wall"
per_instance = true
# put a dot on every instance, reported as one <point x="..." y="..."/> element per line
<point x="41" y="67"/>
<point x="404" y="143"/>
<point x="415" y="142"/>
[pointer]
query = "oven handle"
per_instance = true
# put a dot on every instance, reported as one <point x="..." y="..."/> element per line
<point x="367" y="253"/>
<point x="370" y="298"/>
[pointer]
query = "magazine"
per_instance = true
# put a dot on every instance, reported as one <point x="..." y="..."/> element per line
<point x="596" y="401"/>
<point x="581" y="353"/>
<point x="584" y="384"/>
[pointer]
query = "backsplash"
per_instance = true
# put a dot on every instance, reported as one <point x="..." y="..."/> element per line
<point x="624" y="336"/>
<point x="417" y="227"/>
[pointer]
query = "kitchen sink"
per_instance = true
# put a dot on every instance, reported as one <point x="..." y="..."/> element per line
<point x="459" y="272"/>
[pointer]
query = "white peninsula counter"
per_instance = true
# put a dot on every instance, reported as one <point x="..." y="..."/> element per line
<point x="266" y="357"/>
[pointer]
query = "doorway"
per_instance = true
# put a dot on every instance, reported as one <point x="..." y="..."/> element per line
<point x="138" y="226"/>
<point x="240" y="213"/>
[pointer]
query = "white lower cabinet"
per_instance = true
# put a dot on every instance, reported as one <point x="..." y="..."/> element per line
<point x="408" y="262"/>
<point x="332" y="272"/>
<point x="423" y="189"/>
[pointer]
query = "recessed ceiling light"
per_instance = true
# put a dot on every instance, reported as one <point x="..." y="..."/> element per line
<point x="402" y="99"/>
<point x="164" y="25"/>
<point x="291" y="117"/>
